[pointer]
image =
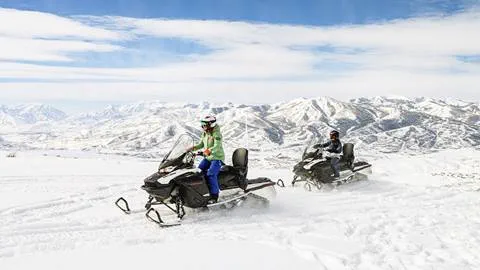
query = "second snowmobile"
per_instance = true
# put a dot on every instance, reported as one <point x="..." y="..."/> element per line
<point x="178" y="184"/>
<point x="315" y="169"/>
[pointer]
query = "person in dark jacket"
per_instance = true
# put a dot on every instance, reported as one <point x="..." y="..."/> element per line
<point x="333" y="146"/>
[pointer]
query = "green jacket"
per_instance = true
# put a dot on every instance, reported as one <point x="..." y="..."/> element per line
<point x="213" y="142"/>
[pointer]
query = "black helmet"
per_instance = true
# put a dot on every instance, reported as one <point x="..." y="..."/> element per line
<point x="334" y="135"/>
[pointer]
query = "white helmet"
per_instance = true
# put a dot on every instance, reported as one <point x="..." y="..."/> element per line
<point x="209" y="121"/>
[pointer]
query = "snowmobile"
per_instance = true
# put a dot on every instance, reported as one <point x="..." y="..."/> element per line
<point x="315" y="169"/>
<point x="178" y="184"/>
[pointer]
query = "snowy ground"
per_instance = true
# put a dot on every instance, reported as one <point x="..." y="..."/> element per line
<point x="415" y="212"/>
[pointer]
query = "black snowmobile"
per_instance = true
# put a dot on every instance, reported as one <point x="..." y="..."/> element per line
<point x="315" y="168"/>
<point x="178" y="184"/>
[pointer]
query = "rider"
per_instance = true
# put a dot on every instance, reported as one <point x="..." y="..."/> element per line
<point x="211" y="141"/>
<point x="334" y="146"/>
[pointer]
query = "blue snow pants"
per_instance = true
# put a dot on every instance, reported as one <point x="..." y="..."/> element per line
<point x="210" y="170"/>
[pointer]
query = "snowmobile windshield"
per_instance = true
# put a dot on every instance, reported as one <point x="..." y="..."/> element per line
<point x="310" y="151"/>
<point x="182" y="145"/>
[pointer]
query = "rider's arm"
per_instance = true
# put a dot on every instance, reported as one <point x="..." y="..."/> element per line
<point x="322" y="145"/>
<point x="200" y="143"/>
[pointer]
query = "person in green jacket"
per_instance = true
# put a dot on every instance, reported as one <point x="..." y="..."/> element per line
<point x="211" y="142"/>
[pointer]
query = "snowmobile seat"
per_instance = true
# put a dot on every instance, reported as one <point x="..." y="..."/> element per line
<point x="237" y="172"/>
<point x="240" y="160"/>
<point x="239" y="163"/>
<point x="348" y="155"/>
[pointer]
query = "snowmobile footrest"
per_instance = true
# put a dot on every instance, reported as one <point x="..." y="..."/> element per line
<point x="234" y="199"/>
<point x="126" y="208"/>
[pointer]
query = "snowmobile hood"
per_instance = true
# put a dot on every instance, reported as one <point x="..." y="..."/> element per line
<point x="167" y="178"/>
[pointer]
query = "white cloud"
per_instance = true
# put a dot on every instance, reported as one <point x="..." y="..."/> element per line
<point x="431" y="35"/>
<point x="32" y="24"/>
<point x="402" y="57"/>
<point x="37" y="36"/>
<point x="47" y="50"/>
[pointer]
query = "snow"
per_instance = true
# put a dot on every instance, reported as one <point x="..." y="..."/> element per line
<point x="180" y="255"/>
<point x="415" y="212"/>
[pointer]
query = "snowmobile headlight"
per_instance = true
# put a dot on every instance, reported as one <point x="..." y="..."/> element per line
<point x="168" y="169"/>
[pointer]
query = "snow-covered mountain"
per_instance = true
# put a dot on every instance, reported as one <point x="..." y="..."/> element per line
<point x="374" y="124"/>
<point x="28" y="114"/>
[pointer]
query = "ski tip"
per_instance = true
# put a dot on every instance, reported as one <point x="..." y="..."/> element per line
<point x="125" y="208"/>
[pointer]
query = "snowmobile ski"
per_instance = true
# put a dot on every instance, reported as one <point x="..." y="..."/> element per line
<point x="123" y="205"/>
<point x="125" y="208"/>
<point x="280" y="183"/>
<point x="158" y="219"/>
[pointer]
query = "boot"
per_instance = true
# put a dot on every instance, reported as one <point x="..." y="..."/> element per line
<point x="213" y="199"/>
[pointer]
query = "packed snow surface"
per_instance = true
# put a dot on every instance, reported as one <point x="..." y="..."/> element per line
<point x="416" y="212"/>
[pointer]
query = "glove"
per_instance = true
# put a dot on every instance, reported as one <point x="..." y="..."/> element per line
<point x="207" y="152"/>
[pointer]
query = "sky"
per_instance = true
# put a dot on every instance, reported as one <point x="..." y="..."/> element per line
<point x="85" y="54"/>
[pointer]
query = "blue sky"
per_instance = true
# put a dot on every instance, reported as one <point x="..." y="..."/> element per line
<point x="311" y="12"/>
<point x="98" y="52"/>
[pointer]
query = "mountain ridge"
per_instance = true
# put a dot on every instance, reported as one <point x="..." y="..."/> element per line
<point x="378" y="124"/>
